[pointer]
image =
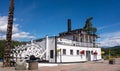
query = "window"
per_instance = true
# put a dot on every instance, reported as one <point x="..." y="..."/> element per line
<point x="51" y="53"/>
<point x="91" y="52"/>
<point x="71" y="52"/>
<point x="77" y="52"/>
<point x="64" y="51"/>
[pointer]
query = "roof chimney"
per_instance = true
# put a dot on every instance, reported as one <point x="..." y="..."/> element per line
<point x="69" y="25"/>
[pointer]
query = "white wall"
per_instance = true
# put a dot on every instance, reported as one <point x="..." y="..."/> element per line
<point x="68" y="57"/>
<point x="75" y="57"/>
<point x="51" y="46"/>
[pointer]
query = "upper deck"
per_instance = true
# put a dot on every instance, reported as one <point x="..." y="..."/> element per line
<point x="75" y="43"/>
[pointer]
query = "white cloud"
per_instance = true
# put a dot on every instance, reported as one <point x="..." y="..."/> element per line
<point x="22" y="35"/>
<point x="17" y="34"/>
<point x="108" y="26"/>
<point x="110" y="39"/>
<point x="3" y="25"/>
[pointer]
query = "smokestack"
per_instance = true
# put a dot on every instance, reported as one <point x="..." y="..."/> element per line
<point x="69" y="25"/>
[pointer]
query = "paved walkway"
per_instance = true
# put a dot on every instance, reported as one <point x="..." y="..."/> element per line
<point x="88" y="66"/>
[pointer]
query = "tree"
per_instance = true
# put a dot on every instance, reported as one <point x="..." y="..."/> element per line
<point x="3" y="45"/>
<point x="88" y="27"/>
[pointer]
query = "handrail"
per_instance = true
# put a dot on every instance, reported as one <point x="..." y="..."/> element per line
<point x="75" y="43"/>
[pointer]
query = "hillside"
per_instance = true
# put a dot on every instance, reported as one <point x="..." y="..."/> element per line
<point x="114" y="51"/>
<point x="3" y="45"/>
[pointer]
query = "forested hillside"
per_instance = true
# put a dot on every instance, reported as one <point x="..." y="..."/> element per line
<point x="114" y="51"/>
<point x="3" y="45"/>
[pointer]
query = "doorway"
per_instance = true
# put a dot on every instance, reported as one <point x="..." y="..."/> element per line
<point x="88" y="56"/>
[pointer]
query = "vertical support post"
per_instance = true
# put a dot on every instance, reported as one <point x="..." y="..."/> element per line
<point x="84" y="40"/>
<point x="60" y="56"/>
<point x="109" y="53"/>
<point x="47" y="48"/>
<point x="55" y="49"/>
<point x="88" y="41"/>
<point x="92" y="40"/>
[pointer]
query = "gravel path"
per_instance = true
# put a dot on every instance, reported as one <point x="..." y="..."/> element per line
<point x="88" y="66"/>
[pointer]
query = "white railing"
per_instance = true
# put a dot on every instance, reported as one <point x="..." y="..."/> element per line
<point x="74" y="43"/>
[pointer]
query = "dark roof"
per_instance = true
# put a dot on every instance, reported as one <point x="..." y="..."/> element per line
<point x="76" y="31"/>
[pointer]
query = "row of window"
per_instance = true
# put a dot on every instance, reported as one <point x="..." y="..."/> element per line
<point x="64" y="52"/>
<point x="71" y="52"/>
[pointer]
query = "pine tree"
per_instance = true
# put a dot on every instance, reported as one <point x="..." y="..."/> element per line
<point x="89" y="28"/>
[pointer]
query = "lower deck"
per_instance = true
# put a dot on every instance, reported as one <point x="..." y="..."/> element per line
<point x="74" y="54"/>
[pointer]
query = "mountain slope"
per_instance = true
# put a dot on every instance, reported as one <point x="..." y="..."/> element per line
<point x="114" y="51"/>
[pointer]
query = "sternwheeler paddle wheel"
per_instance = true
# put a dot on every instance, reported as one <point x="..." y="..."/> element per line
<point x="28" y="50"/>
<point x="7" y="57"/>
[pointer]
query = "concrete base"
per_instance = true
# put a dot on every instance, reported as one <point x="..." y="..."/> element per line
<point x="20" y="65"/>
<point x="33" y="65"/>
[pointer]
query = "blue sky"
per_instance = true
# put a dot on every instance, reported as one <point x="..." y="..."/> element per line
<point x="37" y="18"/>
